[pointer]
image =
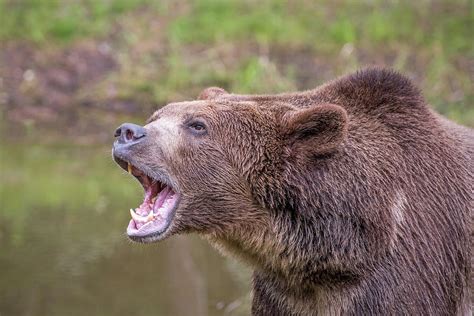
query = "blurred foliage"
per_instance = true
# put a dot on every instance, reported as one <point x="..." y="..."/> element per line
<point x="321" y="24"/>
<point x="326" y="24"/>
<point x="170" y="50"/>
<point x="43" y="20"/>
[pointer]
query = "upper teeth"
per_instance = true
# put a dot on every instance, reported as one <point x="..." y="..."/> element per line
<point x="143" y="219"/>
<point x="129" y="168"/>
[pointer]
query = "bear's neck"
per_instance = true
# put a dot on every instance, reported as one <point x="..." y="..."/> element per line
<point x="283" y="258"/>
<point x="281" y="277"/>
<point x="272" y="295"/>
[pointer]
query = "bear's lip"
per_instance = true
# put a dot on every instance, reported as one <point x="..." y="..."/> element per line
<point x="152" y="219"/>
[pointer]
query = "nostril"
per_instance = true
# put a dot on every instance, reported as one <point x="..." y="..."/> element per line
<point x="129" y="135"/>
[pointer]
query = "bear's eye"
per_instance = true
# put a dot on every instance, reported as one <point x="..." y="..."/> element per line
<point x="197" y="127"/>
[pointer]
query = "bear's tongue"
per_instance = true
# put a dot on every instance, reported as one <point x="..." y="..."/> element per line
<point x="156" y="206"/>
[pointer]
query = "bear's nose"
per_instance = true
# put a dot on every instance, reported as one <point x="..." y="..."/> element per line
<point x="128" y="133"/>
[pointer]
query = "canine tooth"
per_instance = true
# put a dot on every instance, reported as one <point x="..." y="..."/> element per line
<point x="137" y="217"/>
<point x="129" y="168"/>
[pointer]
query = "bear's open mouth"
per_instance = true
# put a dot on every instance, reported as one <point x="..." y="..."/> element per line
<point x="155" y="214"/>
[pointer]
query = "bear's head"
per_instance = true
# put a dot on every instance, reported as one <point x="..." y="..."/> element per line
<point x="220" y="166"/>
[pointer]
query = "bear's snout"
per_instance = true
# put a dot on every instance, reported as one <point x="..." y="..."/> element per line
<point x="128" y="133"/>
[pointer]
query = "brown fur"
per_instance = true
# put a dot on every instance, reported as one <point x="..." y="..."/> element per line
<point x="353" y="198"/>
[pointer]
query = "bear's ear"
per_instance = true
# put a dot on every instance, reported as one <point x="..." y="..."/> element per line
<point x="316" y="130"/>
<point x="211" y="93"/>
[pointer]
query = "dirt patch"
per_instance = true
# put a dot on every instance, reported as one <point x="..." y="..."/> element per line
<point x="40" y="84"/>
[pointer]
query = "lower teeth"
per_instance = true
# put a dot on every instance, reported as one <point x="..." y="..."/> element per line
<point x="142" y="219"/>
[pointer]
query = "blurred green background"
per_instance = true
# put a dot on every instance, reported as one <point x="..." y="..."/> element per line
<point x="71" y="71"/>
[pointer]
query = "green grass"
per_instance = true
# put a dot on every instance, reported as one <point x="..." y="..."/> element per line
<point x="326" y="24"/>
<point x="170" y="50"/>
<point x="429" y="36"/>
<point x="44" y="20"/>
<point x="322" y="24"/>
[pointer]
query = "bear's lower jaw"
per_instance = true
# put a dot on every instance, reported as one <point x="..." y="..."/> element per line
<point x="153" y="218"/>
<point x="156" y="224"/>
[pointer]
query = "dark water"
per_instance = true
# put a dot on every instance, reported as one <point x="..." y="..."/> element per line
<point x="63" y="250"/>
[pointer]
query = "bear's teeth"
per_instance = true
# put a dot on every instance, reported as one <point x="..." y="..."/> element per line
<point x="129" y="168"/>
<point x="142" y="219"/>
<point x="135" y="216"/>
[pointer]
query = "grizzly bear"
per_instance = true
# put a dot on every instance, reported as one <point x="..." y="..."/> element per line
<point x="354" y="198"/>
